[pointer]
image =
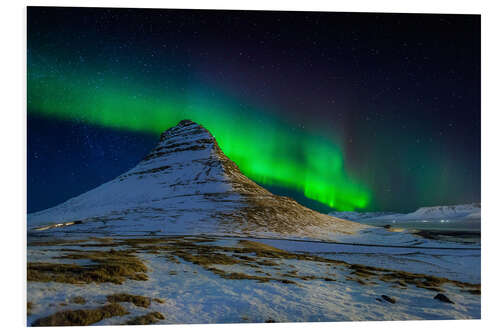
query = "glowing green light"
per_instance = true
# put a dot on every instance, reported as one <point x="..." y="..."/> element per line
<point x="266" y="148"/>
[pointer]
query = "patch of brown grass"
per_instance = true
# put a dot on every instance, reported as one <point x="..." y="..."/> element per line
<point x="56" y="242"/>
<point x="147" y="319"/>
<point x="102" y="240"/>
<point x="29" y="307"/>
<point x="403" y="279"/>
<point x="267" y="262"/>
<point x="81" y="317"/>
<point x="141" y="241"/>
<point x="51" y="272"/>
<point x="78" y="300"/>
<point x="207" y="258"/>
<point x="137" y="300"/>
<point x="244" y="276"/>
<point x="258" y="246"/>
<point x="362" y="271"/>
<point x="419" y="280"/>
<point x="111" y="266"/>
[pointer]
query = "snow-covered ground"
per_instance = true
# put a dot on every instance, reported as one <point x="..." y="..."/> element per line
<point x="322" y="289"/>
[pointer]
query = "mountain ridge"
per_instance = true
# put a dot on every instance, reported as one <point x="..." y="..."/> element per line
<point x="456" y="212"/>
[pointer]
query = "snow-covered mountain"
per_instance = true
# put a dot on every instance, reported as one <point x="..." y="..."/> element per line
<point x="186" y="185"/>
<point x="359" y="216"/>
<point x="455" y="212"/>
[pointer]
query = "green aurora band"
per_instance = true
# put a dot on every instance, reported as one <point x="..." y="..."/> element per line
<point x="267" y="149"/>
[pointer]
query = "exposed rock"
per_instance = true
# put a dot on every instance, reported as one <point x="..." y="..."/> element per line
<point x="388" y="299"/>
<point x="443" y="298"/>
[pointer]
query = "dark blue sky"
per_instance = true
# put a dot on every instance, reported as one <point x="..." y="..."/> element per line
<point x="401" y="92"/>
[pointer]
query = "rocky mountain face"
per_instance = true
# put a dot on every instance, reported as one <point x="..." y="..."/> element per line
<point x="186" y="185"/>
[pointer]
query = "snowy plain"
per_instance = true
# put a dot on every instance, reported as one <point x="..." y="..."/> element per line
<point x="196" y="295"/>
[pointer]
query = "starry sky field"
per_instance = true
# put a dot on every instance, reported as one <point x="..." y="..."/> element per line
<point x="341" y="111"/>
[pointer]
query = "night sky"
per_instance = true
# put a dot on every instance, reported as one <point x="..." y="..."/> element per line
<point x="337" y="110"/>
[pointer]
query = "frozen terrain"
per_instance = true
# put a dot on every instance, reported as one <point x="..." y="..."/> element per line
<point x="185" y="237"/>
<point x="225" y="279"/>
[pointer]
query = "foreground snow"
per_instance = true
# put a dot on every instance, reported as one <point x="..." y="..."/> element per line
<point x="320" y="292"/>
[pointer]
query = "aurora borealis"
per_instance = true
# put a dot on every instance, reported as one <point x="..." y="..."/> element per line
<point x="338" y="108"/>
<point x="263" y="148"/>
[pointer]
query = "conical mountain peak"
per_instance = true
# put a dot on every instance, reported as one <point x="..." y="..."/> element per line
<point x="184" y="129"/>
<point x="186" y="185"/>
<point x="184" y="137"/>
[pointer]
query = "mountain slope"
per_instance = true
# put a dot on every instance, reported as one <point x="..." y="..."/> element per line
<point x="186" y="185"/>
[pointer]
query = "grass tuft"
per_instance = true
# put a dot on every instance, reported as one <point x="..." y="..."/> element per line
<point x="111" y="266"/>
<point x="29" y="307"/>
<point x="81" y="317"/>
<point x="147" y="319"/>
<point x="78" y="300"/>
<point x="137" y="300"/>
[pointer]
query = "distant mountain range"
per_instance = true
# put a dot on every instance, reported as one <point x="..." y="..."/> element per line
<point x="186" y="184"/>
<point x="454" y="212"/>
<point x="357" y="216"/>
